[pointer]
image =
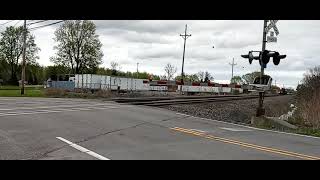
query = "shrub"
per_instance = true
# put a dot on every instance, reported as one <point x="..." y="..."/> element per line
<point x="53" y="92"/>
<point x="235" y="91"/>
<point x="103" y="93"/>
<point x="308" y="98"/>
<point x="310" y="109"/>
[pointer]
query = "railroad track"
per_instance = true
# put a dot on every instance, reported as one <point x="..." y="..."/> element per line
<point x="166" y="101"/>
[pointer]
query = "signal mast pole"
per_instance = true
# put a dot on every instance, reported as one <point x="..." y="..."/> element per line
<point x="260" y="109"/>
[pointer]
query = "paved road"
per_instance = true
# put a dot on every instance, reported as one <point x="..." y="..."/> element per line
<point x="44" y="129"/>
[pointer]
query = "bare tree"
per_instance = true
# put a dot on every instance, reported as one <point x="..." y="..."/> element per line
<point x="200" y="75"/>
<point x="114" y="67"/>
<point x="207" y="76"/>
<point x="163" y="77"/>
<point x="170" y="71"/>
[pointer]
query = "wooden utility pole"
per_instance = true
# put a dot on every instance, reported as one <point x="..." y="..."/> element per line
<point x="232" y="64"/>
<point x="23" y="74"/>
<point x="185" y="37"/>
<point x="137" y="70"/>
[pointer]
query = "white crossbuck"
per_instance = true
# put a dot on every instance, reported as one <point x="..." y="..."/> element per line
<point x="273" y="25"/>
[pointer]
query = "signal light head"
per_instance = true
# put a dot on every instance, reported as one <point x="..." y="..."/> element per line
<point x="250" y="57"/>
<point x="265" y="57"/>
<point x="277" y="57"/>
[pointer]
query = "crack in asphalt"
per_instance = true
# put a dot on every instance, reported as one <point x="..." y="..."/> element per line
<point x="117" y="130"/>
<point x="45" y="154"/>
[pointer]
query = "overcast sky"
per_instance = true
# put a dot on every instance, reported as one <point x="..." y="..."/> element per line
<point x="154" y="43"/>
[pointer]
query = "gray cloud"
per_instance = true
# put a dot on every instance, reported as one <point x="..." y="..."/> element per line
<point x="155" y="43"/>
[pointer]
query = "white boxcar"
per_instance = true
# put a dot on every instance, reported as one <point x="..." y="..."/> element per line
<point x="207" y="89"/>
<point x="89" y="81"/>
<point x="158" y="88"/>
<point x="226" y="90"/>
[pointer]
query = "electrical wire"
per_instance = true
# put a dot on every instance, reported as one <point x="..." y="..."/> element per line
<point x="36" y="22"/>
<point x="6" y="22"/>
<point x="16" y="23"/>
<point x="35" y="28"/>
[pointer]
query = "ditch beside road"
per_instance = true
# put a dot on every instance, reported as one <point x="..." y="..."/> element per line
<point x="239" y="111"/>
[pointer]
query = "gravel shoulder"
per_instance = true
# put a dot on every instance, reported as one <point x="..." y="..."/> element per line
<point x="239" y="111"/>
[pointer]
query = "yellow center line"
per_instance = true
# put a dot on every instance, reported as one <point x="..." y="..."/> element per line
<point x="243" y="144"/>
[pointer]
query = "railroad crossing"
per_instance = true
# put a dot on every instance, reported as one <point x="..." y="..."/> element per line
<point x="45" y="128"/>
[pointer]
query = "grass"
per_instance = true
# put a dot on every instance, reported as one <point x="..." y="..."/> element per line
<point x="308" y="131"/>
<point x="14" y="91"/>
<point x="297" y="121"/>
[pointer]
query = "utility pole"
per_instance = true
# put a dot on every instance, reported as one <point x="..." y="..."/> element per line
<point x="185" y="37"/>
<point x="23" y="74"/>
<point x="137" y="70"/>
<point x="232" y="64"/>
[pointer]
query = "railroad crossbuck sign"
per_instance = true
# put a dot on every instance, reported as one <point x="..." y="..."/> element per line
<point x="272" y="24"/>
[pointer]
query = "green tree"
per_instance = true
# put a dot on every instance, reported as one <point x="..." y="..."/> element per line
<point x="78" y="47"/>
<point x="156" y="77"/>
<point x="236" y="80"/>
<point x="11" y="47"/>
<point x="249" y="77"/>
<point x="189" y="78"/>
<point x="56" y="72"/>
<point x="103" y="71"/>
<point x="4" y="70"/>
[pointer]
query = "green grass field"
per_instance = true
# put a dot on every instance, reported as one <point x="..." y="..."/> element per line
<point x="14" y="91"/>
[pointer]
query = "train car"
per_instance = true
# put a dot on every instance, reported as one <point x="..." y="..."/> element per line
<point x="283" y="91"/>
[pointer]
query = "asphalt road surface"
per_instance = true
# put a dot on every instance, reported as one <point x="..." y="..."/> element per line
<point x="47" y="129"/>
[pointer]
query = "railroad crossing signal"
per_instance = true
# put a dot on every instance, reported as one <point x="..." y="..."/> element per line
<point x="272" y="25"/>
<point x="272" y="38"/>
<point x="264" y="57"/>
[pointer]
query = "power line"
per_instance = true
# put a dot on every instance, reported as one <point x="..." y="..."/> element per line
<point x="16" y="23"/>
<point x="36" y="22"/>
<point x="35" y="28"/>
<point x="6" y="22"/>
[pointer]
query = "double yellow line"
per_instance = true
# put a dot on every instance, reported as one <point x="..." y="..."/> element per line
<point x="247" y="145"/>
